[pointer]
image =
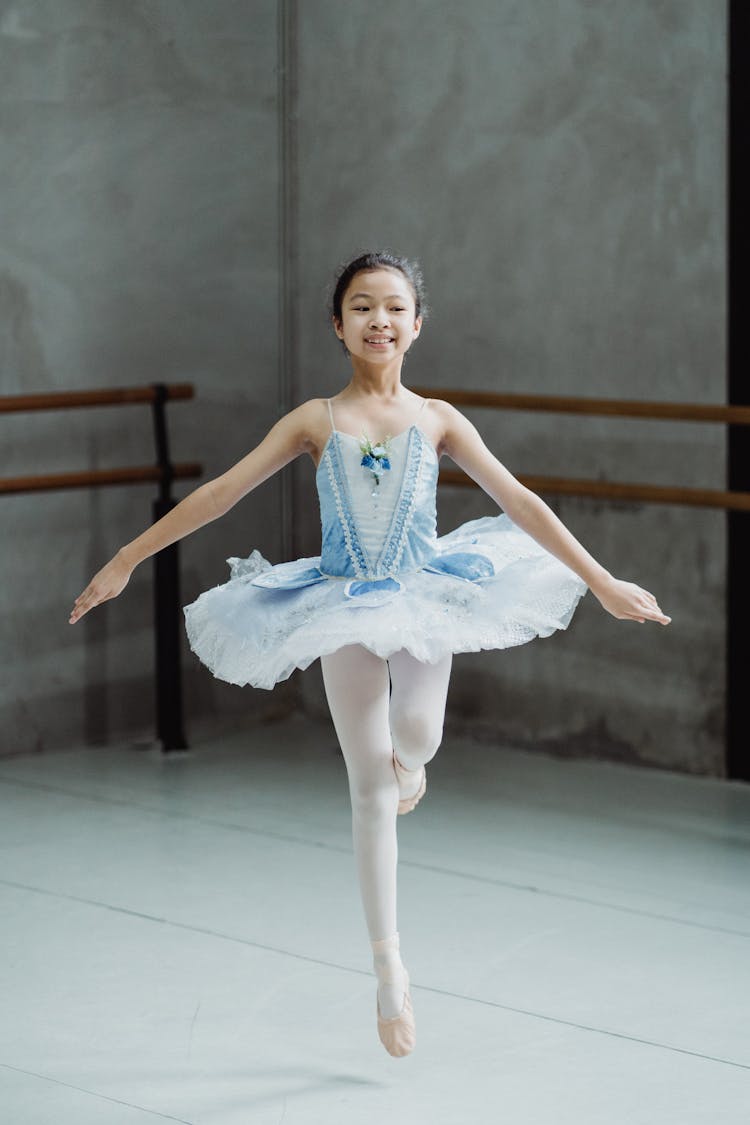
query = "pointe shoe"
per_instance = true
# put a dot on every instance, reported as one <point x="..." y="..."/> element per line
<point x="398" y="1034"/>
<point x="406" y="804"/>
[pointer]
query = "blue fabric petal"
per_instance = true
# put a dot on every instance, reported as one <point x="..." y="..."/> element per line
<point x="368" y="461"/>
<point x="289" y="576"/>
<point x="372" y="592"/>
<point x="462" y="564"/>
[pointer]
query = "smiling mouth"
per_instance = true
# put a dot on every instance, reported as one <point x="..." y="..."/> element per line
<point x="379" y="340"/>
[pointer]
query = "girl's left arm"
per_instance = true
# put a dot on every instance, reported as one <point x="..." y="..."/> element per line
<point x="463" y="444"/>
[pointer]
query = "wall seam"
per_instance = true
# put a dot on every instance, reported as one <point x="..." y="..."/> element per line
<point x="288" y="381"/>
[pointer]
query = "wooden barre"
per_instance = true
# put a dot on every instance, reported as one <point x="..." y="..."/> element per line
<point x="675" y="411"/>
<point x="564" y="486"/>
<point x="115" y="396"/>
<point x="613" y="490"/>
<point x="97" y="478"/>
<point x="624" y="408"/>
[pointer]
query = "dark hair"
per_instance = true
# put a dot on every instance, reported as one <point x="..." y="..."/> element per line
<point x="376" y="260"/>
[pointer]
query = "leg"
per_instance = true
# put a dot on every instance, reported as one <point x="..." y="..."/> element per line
<point x="417" y="710"/>
<point x="356" y="684"/>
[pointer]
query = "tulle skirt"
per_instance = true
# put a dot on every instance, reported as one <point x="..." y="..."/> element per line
<point x="268" y="620"/>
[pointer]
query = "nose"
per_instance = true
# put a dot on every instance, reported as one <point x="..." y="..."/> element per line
<point x="378" y="318"/>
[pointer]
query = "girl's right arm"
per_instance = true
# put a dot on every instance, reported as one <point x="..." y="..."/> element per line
<point x="286" y="440"/>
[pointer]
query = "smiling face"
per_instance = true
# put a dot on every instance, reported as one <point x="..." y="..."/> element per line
<point x="378" y="316"/>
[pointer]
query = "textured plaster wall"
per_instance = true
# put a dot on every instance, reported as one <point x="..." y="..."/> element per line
<point x="139" y="244"/>
<point x="558" y="168"/>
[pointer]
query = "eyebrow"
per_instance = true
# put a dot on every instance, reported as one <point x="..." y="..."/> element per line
<point x="392" y="297"/>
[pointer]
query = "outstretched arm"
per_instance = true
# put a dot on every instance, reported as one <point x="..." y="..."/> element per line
<point x="285" y="441"/>
<point x="624" y="600"/>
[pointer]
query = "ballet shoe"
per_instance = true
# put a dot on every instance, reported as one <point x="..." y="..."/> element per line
<point x="406" y="804"/>
<point x="398" y="1034"/>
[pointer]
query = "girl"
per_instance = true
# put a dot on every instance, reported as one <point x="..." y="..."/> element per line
<point x="387" y="603"/>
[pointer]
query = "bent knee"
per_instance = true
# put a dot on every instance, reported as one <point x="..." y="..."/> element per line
<point x="415" y="732"/>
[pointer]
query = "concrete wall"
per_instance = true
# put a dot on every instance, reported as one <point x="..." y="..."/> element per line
<point x="558" y="168"/>
<point x="139" y="243"/>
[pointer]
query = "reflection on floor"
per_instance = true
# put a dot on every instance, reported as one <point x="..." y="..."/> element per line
<point x="182" y="938"/>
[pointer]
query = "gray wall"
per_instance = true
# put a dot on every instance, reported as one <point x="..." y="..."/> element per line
<point x="139" y="243"/>
<point x="558" y="168"/>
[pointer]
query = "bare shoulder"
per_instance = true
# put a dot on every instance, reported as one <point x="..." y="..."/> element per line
<point x="310" y="424"/>
<point x="317" y="422"/>
<point x="447" y="425"/>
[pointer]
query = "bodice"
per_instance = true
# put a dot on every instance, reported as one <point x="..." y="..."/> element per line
<point x="369" y="540"/>
<point x="370" y="536"/>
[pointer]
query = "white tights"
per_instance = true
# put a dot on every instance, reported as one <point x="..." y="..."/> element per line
<point x="369" y="725"/>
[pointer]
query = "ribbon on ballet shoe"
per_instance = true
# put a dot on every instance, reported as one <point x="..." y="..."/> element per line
<point x="385" y="945"/>
<point x="393" y="979"/>
<point x="412" y="785"/>
<point x="387" y="961"/>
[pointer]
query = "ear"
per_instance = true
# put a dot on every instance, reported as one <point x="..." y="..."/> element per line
<point x="417" y="326"/>
<point x="337" y="327"/>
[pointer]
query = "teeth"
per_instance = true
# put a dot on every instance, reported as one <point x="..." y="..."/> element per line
<point x="378" y="340"/>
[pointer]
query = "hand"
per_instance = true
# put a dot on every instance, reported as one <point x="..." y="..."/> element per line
<point x="110" y="581"/>
<point x="629" y="602"/>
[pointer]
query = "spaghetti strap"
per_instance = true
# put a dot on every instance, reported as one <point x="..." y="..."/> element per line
<point x="424" y="403"/>
<point x="330" y="413"/>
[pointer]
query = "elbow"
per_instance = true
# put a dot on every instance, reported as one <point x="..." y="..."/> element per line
<point x="216" y="502"/>
<point x="519" y="506"/>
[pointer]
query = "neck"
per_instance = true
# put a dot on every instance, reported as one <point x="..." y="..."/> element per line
<point x="382" y="381"/>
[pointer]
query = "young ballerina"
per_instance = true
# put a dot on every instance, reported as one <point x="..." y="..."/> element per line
<point x="387" y="603"/>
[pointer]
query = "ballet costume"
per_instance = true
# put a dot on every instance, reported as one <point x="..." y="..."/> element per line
<point x="384" y="607"/>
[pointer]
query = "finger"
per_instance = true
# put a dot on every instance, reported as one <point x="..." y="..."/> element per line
<point x="83" y="603"/>
<point x="657" y="615"/>
<point x="78" y="611"/>
<point x="650" y="607"/>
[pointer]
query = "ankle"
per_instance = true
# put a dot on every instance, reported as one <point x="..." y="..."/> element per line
<point x="385" y="945"/>
<point x="387" y="961"/>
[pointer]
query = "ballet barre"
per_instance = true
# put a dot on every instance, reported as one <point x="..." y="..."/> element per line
<point x="167" y="602"/>
<point x="735" y="501"/>
<point x="728" y="499"/>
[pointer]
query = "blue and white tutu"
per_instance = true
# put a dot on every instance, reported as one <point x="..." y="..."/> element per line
<point x="383" y="579"/>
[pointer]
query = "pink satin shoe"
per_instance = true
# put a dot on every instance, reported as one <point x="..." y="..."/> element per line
<point x="398" y="1034"/>
<point x="406" y="804"/>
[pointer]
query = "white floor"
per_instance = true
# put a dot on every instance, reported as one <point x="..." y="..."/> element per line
<point x="182" y="939"/>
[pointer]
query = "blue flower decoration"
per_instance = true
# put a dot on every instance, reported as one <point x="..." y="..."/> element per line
<point x="375" y="456"/>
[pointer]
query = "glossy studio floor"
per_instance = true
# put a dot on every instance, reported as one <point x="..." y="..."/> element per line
<point x="182" y="940"/>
